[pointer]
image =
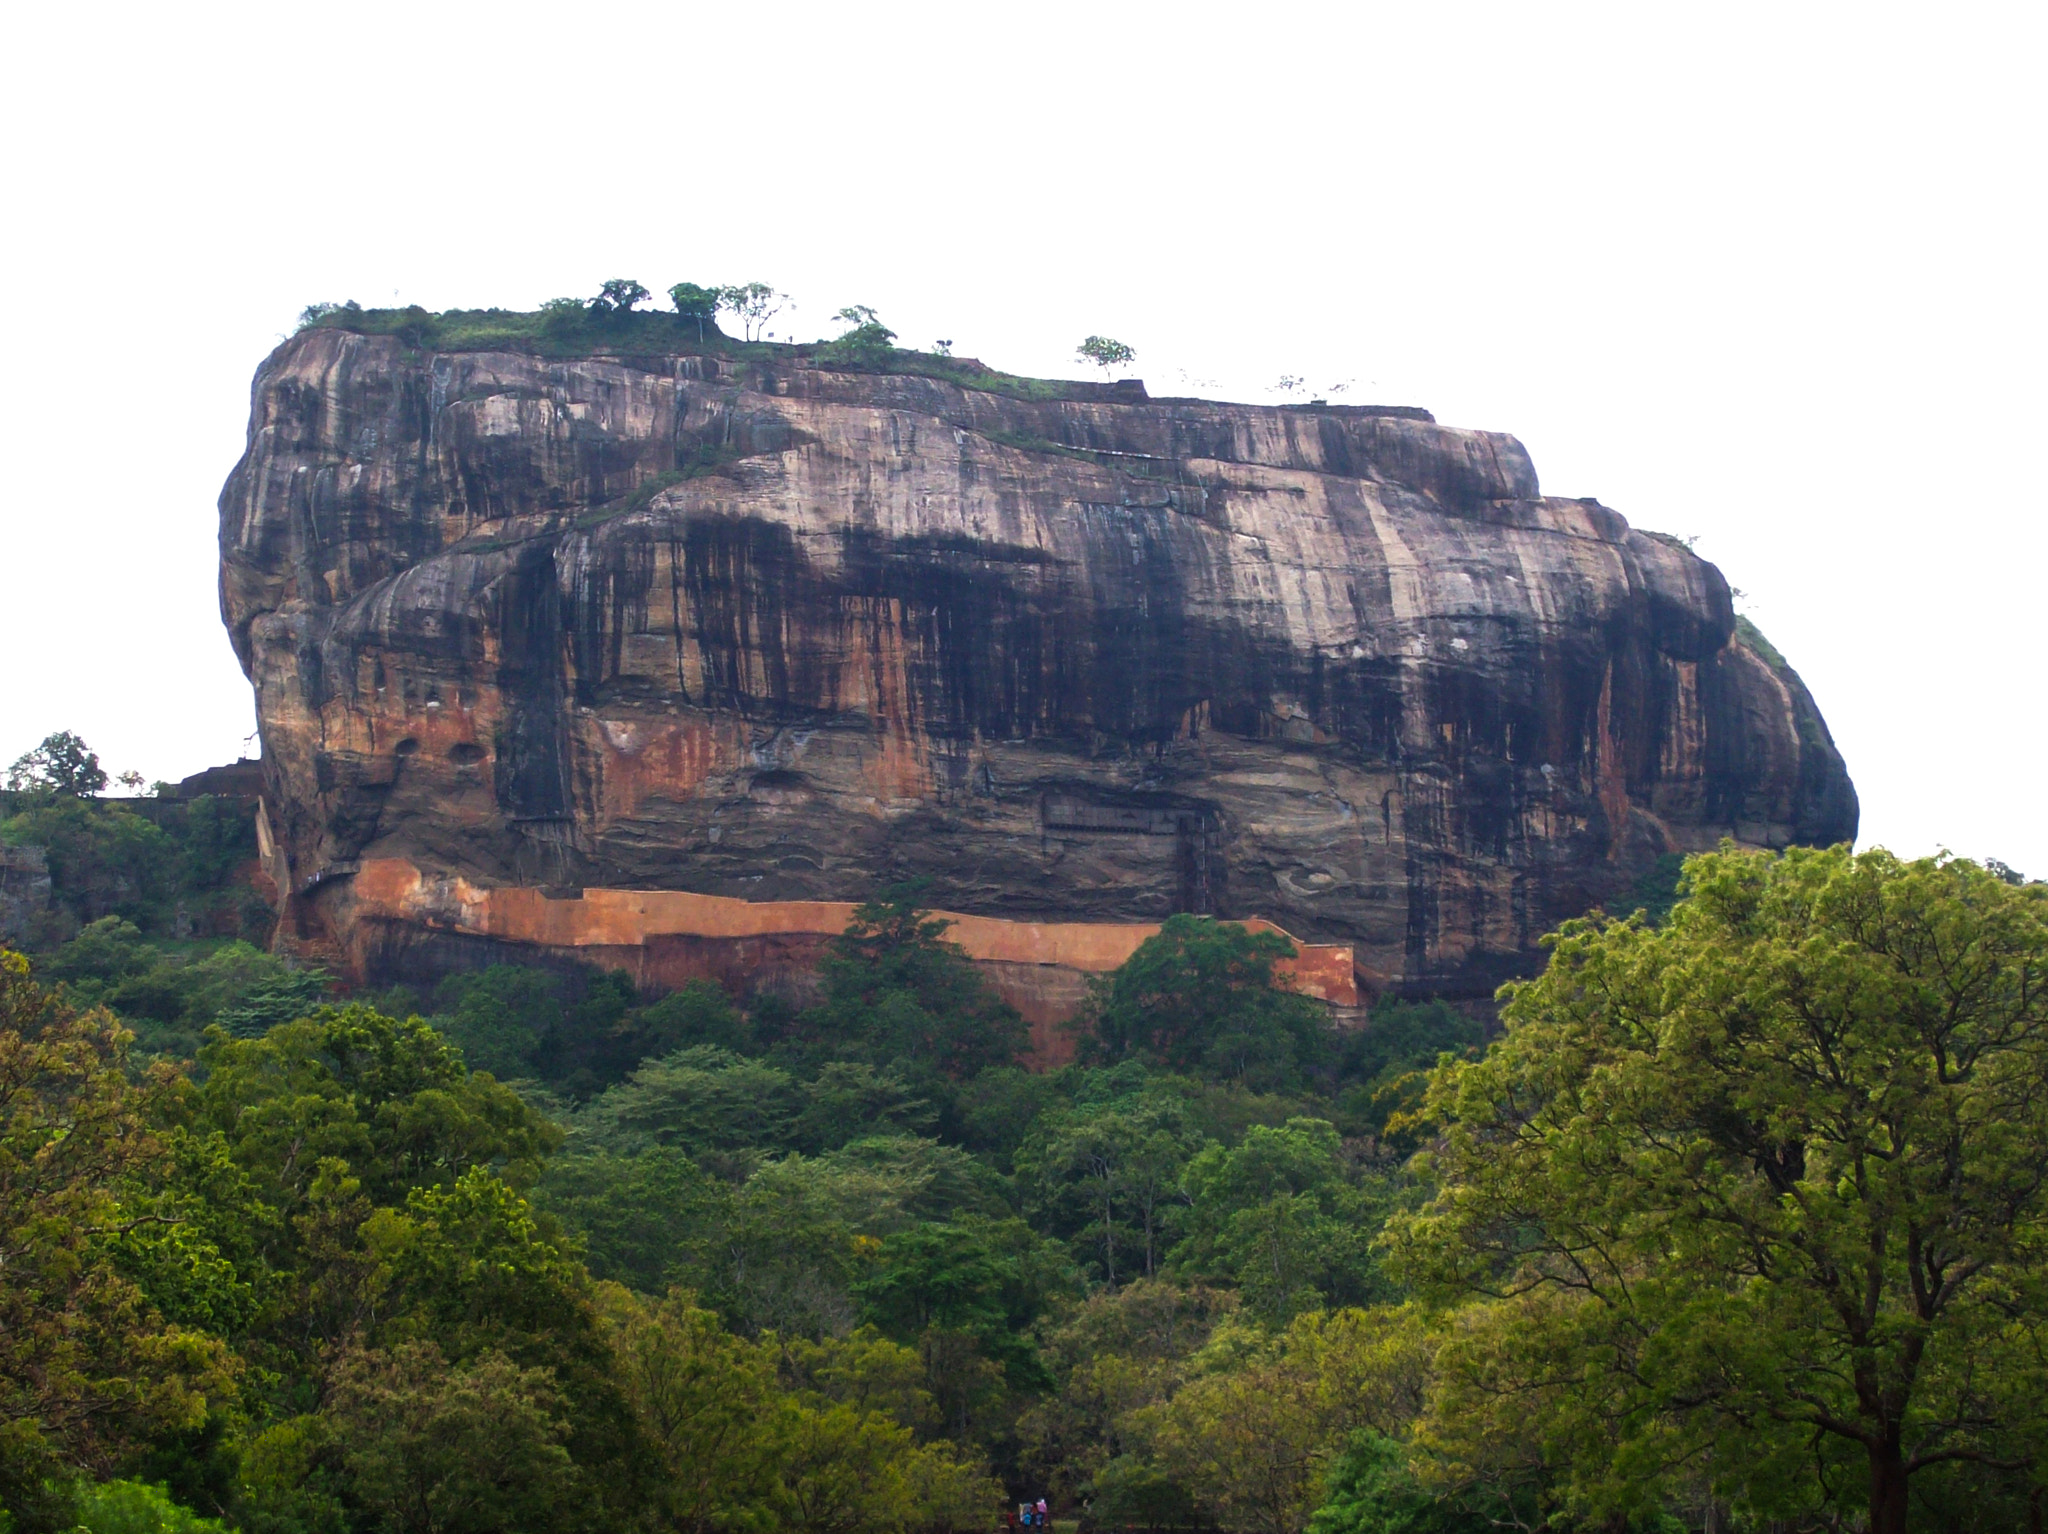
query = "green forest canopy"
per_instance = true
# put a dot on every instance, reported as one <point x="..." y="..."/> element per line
<point x="1737" y="1222"/>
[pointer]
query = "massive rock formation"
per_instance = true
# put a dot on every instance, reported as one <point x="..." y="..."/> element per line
<point x="765" y="630"/>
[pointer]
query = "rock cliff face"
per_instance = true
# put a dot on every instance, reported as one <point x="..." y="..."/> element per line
<point x="765" y="630"/>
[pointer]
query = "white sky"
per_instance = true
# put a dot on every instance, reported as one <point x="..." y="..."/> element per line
<point x="1767" y="274"/>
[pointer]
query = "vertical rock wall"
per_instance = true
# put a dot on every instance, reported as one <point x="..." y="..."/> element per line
<point x="760" y="629"/>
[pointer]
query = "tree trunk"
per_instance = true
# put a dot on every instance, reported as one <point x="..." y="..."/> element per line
<point x="1887" y="1488"/>
<point x="1109" y="1240"/>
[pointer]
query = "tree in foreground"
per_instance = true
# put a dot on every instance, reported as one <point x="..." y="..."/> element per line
<point x="89" y="1367"/>
<point x="1370" y="1489"/>
<point x="1254" y="1441"/>
<point x="1752" y="1205"/>
<point x="136" y="1507"/>
<point x="435" y="1448"/>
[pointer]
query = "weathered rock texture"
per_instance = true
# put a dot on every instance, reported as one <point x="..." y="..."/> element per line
<point x="777" y="632"/>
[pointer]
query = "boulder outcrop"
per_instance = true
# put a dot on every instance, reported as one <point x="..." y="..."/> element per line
<point x="730" y="622"/>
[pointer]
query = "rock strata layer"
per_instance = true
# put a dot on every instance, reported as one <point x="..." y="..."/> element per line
<point x="766" y="630"/>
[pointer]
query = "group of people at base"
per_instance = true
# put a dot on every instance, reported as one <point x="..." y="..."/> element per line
<point x="1030" y="1515"/>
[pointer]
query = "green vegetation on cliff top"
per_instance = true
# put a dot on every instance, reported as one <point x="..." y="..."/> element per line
<point x="1745" y="630"/>
<point x="1753" y="637"/>
<point x="583" y="331"/>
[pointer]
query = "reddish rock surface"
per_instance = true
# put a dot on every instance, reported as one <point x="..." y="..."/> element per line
<point x="749" y="627"/>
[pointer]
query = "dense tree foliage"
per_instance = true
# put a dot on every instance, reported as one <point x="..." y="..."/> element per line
<point x="1755" y="1198"/>
<point x="89" y="1366"/>
<point x="173" y="869"/>
<point x="1200" y="997"/>
<point x="895" y="991"/>
<point x="63" y="767"/>
<point x="707" y="1268"/>
<point x="1739" y="1220"/>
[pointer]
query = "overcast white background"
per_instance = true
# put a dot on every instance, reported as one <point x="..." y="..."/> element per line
<point x="1768" y="275"/>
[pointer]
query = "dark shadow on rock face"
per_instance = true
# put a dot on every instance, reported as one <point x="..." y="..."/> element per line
<point x="783" y="633"/>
